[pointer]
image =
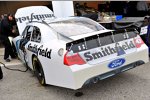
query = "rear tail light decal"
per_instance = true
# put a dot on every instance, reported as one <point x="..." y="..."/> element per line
<point x="73" y="59"/>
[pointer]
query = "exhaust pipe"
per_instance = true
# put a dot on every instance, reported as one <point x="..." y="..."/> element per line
<point x="137" y="64"/>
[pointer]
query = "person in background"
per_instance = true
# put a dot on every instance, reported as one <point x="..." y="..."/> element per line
<point x="85" y="6"/>
<point x="142" y="8"/>
<point x="6" y="31"/>
<point x="131" y="10"/>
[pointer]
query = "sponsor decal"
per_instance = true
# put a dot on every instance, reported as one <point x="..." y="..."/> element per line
<point x="119" y="49"/>
<point x="138" y="42"/>
<point x="45" y="52"/>
<point x="144" y="30"/>
<point x="104" y="51"/>
<point x="116" y="63"/>
<point x="33" y="48"/>
<point x="37" y="17"/>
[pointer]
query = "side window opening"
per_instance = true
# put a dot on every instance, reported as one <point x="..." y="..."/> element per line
<point x="29" y="32"/>
<point x="36" y="35"/>
<point x="25" y="32"/>
<point x="26" y="37"/>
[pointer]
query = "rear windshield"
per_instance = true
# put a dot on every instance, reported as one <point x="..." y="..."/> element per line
<point x="76" y="26"/>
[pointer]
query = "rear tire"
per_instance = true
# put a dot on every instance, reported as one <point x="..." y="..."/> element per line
<point x="38" y="70"/>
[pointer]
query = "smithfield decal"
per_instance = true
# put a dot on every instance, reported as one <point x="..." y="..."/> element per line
<point x="104" y="51"/>
<point x="45" y="52"/>
<point x="37" y="17"/>
<point x="33" y="49"/>
<point x="116" y="63"/>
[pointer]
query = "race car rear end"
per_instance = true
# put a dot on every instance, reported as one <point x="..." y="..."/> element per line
<point x="104" y="55"/>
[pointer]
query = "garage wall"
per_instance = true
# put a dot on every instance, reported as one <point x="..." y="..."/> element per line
<point x="12" y="6"/>
<point x="93" y="4"/>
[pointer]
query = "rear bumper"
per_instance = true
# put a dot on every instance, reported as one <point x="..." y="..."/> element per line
<point x="92" y="73"/>
<point x="113" y="72"/>
<point x="77" y="76"/>
<point x="88" y="76"/>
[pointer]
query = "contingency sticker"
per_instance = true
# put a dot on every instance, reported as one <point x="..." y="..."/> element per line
<point x="143" y="30"/>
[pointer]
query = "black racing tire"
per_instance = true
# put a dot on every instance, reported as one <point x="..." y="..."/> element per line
<point x="38" y="70"/>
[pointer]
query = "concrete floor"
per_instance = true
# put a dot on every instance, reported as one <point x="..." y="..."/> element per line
<point x="131" y="85"/>
<point x="13" y="61"/>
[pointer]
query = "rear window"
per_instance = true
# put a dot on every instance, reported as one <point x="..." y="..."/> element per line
<point x="76" y="26"/>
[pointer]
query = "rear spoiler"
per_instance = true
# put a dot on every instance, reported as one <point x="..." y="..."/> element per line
<point x="95" y="40"/>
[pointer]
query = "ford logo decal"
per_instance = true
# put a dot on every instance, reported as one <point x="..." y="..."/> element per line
<point x="116" y="63"/>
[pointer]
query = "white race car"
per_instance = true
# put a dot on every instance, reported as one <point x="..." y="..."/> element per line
<point x="75" y="51"/>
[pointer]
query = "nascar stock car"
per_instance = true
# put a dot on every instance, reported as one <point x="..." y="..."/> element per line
<point x="74" y="51"/>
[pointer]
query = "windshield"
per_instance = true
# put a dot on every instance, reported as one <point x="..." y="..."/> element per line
<point x="76" y="26"/>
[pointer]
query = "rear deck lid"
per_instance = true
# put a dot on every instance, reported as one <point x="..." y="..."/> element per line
<point x="32" y="13"/>
<point x="102" y="47"/>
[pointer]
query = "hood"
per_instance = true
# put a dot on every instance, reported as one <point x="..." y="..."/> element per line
<point x="33" y="13"/>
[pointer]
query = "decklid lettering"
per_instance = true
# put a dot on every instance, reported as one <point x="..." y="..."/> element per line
<point x="116" y="48"/>
<point x="111" y="51"/>
<point x="35" y="13"/>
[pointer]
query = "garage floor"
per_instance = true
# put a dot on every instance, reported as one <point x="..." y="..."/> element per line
<point x="131" y="85"/>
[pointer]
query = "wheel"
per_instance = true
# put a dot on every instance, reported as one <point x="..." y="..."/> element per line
<point x="38" y="70"/>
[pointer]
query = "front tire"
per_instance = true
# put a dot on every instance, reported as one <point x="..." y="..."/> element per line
<point x="38" y="70"/>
